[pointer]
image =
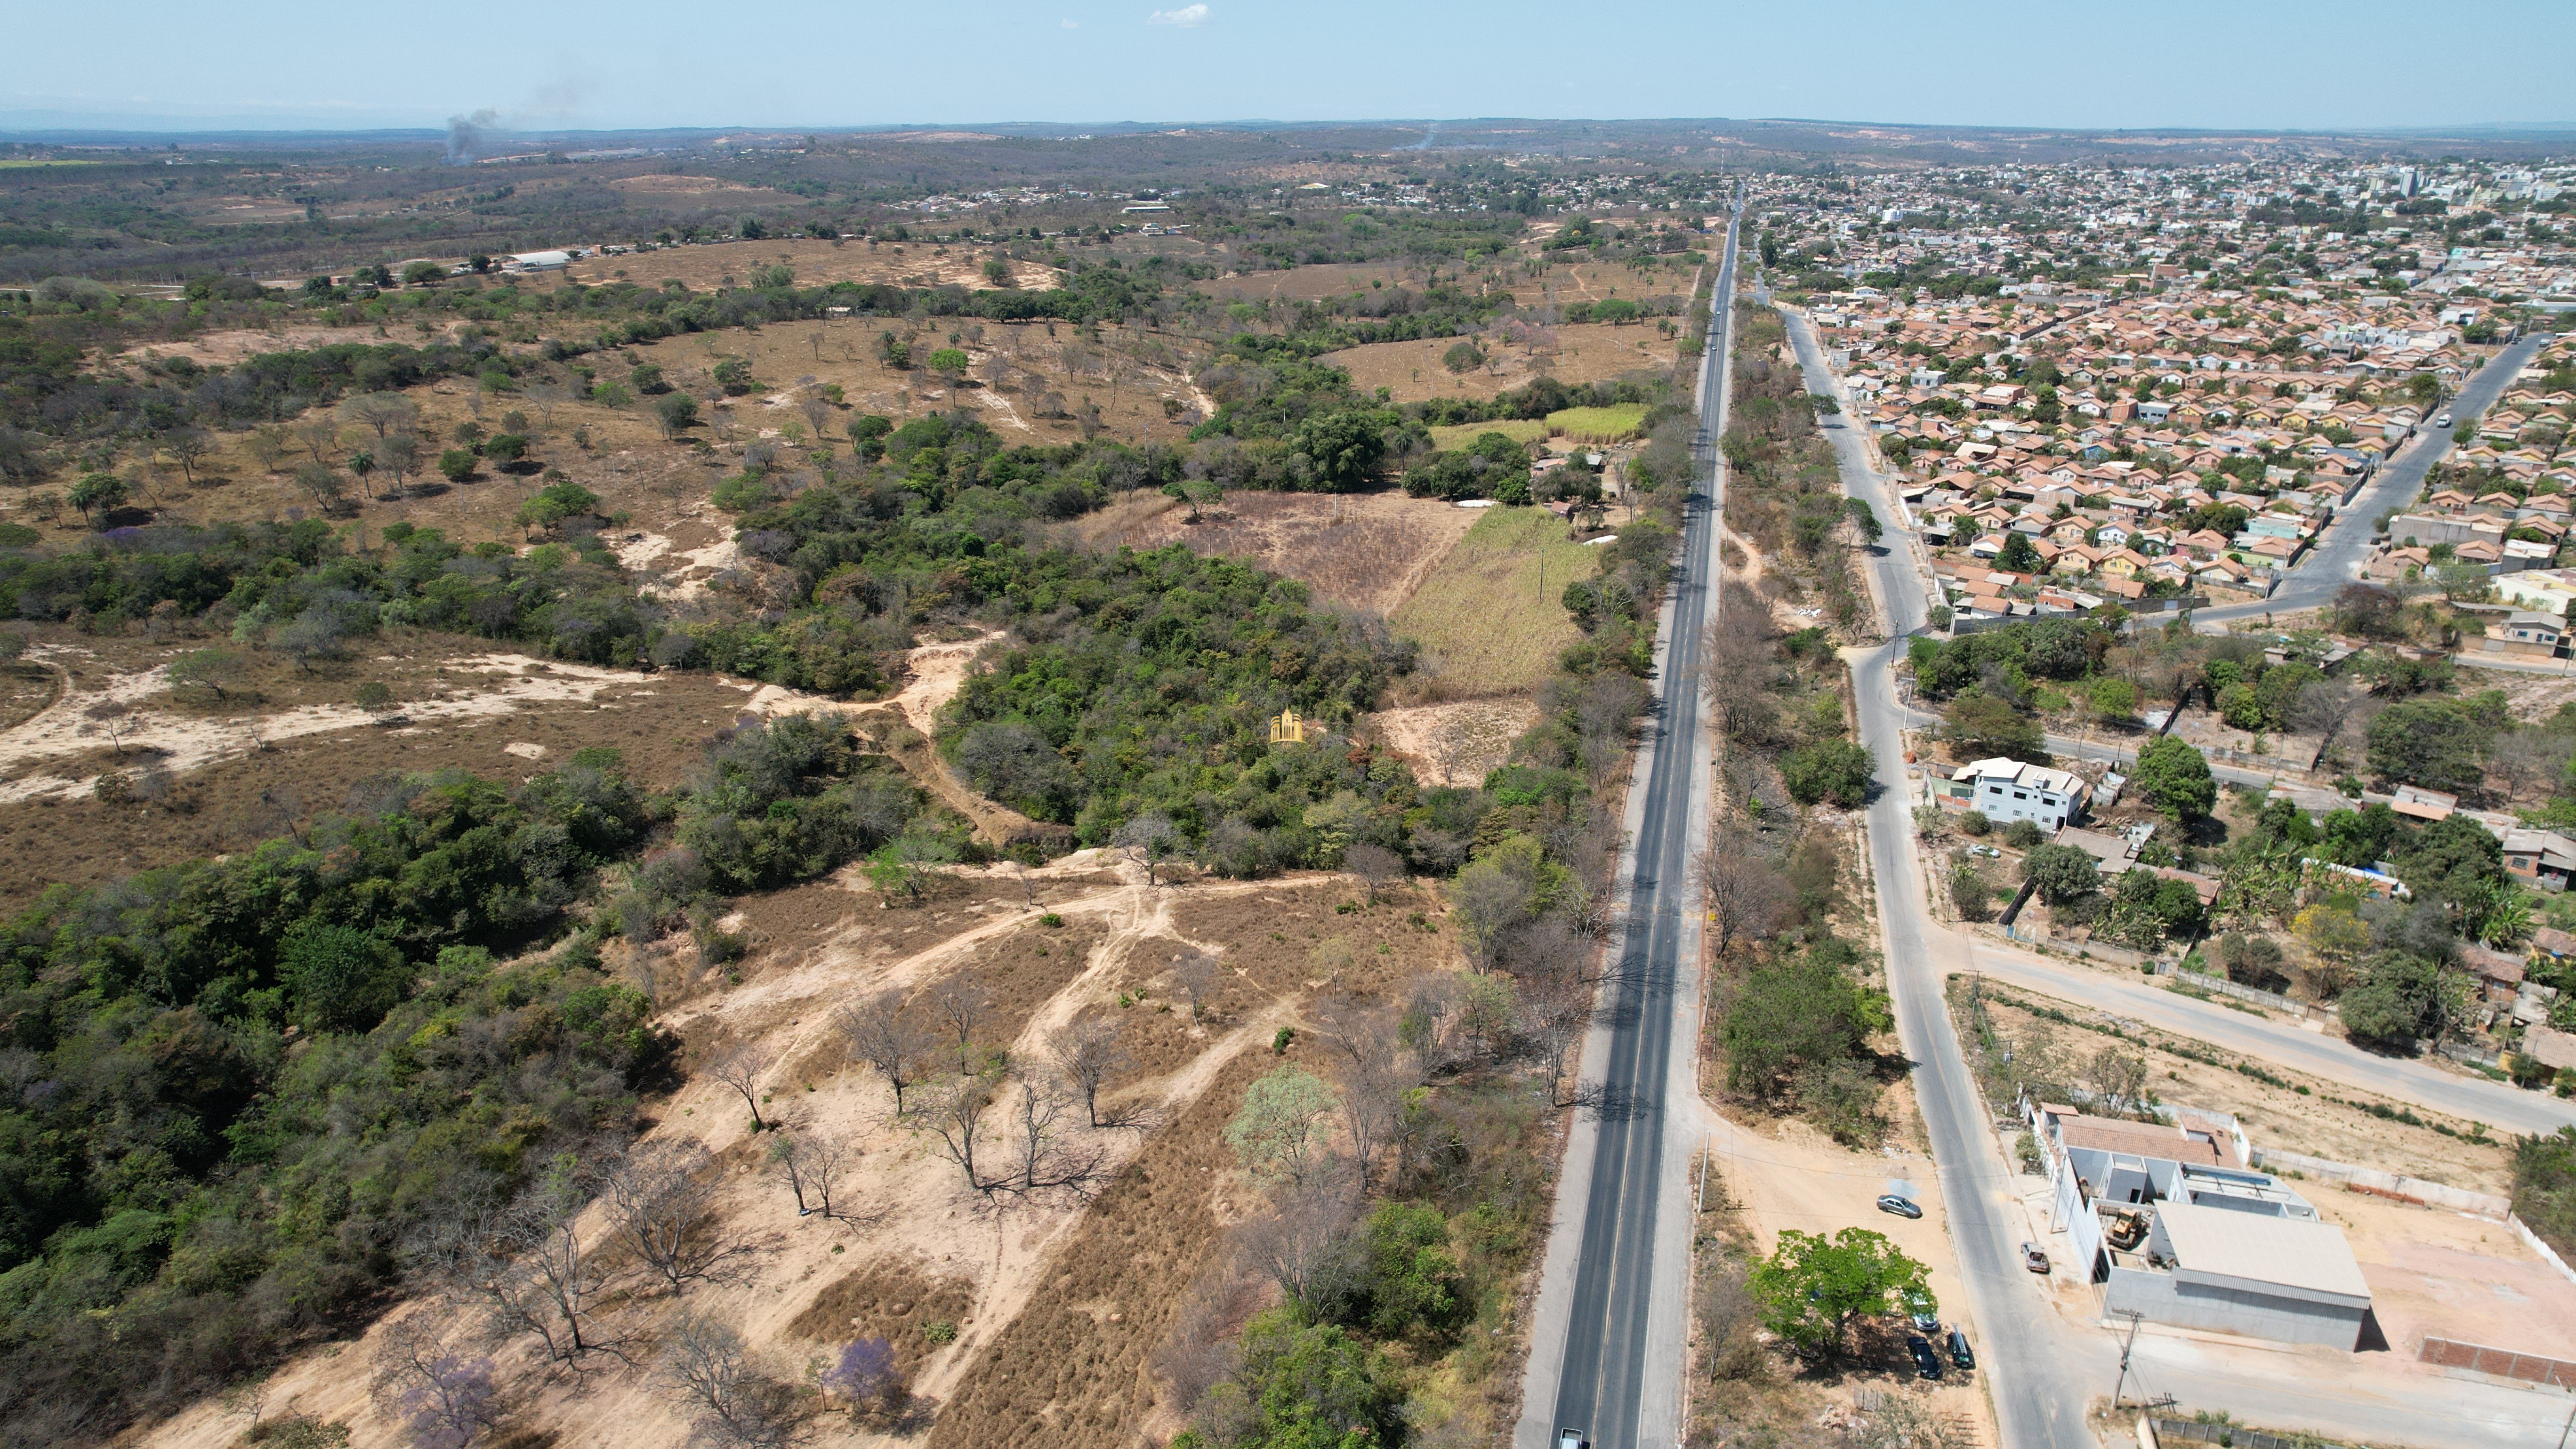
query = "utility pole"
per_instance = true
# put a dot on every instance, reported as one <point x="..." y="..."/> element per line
<point x="2562" y="1433"/>
<point x="2135" y="1318"/>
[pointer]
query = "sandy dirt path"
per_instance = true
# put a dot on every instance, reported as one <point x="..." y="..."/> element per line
<point x="181" y="743"/>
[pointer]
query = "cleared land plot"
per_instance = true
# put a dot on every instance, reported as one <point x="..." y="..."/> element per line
<point x="226" y="793"/>
<point x="2328" y="1120"/>
<point x="2442" y="1273"/>
<point x="1490" y="614"/>
<point x="1519" y="430"/>
<point x="1591" y="352"/>
<point x="1454" y="744"/>
<point x="1363" y="551"/>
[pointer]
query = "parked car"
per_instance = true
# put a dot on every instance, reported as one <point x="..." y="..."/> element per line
<point x="1961" y="1357"/>
<point x="1927" y="1364"/>
<point x="1900" y="1205"/>
<point x="1920" y="1308"/>
<point x="2033" y="1259"/>
<point x="2443" y="421"/>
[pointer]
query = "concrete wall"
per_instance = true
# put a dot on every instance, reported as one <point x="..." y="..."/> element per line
<point x="2163" y="1298"/>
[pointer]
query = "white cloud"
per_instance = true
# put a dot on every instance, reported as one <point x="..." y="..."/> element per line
<point x="1067" y="25"/>
<point x="1187" y="17"/>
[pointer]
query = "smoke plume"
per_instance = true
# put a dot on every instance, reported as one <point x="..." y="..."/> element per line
<point x="468" y="136"/>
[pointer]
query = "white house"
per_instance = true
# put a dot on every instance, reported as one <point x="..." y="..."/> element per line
<point x="2004" y="789"/>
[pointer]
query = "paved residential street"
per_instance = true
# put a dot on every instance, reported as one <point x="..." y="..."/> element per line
<point x="1609" y="1328"/>
<point x="2323" y="1054"/>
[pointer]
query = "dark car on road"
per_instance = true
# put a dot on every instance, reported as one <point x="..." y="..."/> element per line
<point x="1903" y="1207"/>
<point x="1962" y="1357"/>
<point x="1927" y="1364"/>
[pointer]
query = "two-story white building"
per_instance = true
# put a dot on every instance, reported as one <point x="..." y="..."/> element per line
<point x="2006" y="790"/>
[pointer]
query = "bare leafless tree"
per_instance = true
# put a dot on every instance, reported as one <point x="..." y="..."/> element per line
<point x="440" y="1395"/>
<point x="961" y="1005"/>
<point x="2326" y="708"/>
<point x="1194" y="975"/>
<point x="1088" y="1054"/>
<point x="1299" y="1241"/>
<point x="1200" y="1350"/>
<point x="114" y="716"/>
<point x="2525" y="759"/>
<point x="661" y="1204"/>
<point x="707" y="1367"/>
<point x="1556" y="1009"/>
<point x="1375" y="865"/>
<point x="1747" y="895"/>
<point x="320" y="437"/>
<point x="382" y="411"/>
<point x="538" y="1277"/>
<point x="954" y="1114"/>
<point x="1376" y="1072"/>
<point x="741" y="1067"/>
<point x="1148" y="839"/>
<point x="813" y="1164"/>
<point x="879" y="1034"/>
<point x="1044" y="1158"/>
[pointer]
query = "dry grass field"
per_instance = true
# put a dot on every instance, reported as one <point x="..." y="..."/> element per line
<point x="1592" y="352"/>
<point x="1489" y="615"/>
<point x="1364" y="551"/>
<point x="1057" y="1305"/>
<point x="1137" y="380"/>
<point x="705" y="266"/>
<point x="287" y="744"/>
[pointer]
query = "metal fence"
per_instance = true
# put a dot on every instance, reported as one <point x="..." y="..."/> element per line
<point x="2232" y="1436"/>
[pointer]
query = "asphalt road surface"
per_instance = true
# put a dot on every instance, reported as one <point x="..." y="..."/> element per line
<point x="2038" y="1389"/>
<point x="2318" y="1053"/>
<point x="2344" y="545"/>
<point x="1615" y="1381"/>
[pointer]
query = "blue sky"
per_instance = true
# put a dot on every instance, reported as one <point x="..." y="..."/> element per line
<point x="618" y="63"/>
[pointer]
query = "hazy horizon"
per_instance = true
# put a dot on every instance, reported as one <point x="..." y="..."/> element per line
<point x="2310" y="66"/>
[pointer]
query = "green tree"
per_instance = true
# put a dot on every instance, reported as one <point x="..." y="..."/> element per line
<point x="1409" y="1279"/>
<point x="2175" y="778"/>
<point x="206" y="669"/>
<point x="2061" y="873"/>
<point x="1814" y="1288"/>
<point x="1280" y="1131"/>
<point x="2397" y="1001"/>
<point x="97" y="495"/>
<point x="340" y="978"/>
<point x="1837" y="771"/>
<point x="949" y="363"/>
<point x="1303" y="1386"/>
<point x="676" y="413"/>
<point x="2017" y="555"/>
<point x="457" y="464"/>
<point x="1985" y="725"/>
<point x="1793" y="1013"/>
<point x="2432" y="742"/>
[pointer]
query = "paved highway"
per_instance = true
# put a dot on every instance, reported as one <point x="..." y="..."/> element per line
<point x="1608" y="1333"/>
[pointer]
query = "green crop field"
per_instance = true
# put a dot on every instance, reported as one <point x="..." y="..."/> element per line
<point x="1491" y="610"/>
<point x="1519" y="430"/>
<point x="1599" y="425"/>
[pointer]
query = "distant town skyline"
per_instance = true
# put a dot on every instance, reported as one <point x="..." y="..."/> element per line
<point x="2303" y="65"/>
